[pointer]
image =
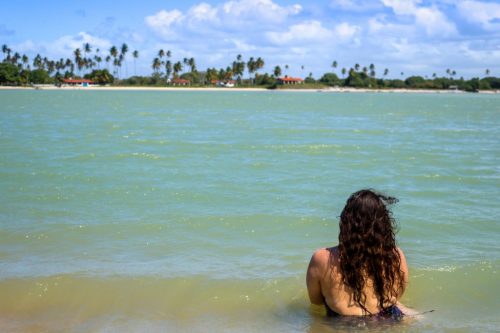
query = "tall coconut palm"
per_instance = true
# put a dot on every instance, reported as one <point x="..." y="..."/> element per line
<point x="177" y="68"/>
<point x="98" y="60"/>
<point x="334" y="65"/>
<point x="107" y="59"/>
<point x="25" y="60"/>
<point x="277" y="71"/>
<point x="343" y="71"/>
<point x="259" y="64"/>
<point x="78" y="58"/>
<point x="113" y="52"/>
<point x="156" y="65"/>
<point x="5" y="48"/>
<point x="487" y="72"/>
<point x="386" y="71"/>
<point x="356" y="67"/>
<point x="372" y="70"/>
<point x="251" y="66"/>
<point x="87" y="49"/>
<point x="192" y="64"/>
<point x="168" y="69"/>
<point x="135" y="54"/>
<point x="123" y="54"/>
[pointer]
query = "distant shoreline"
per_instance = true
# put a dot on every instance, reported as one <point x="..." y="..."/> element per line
<point x="326" y="90"/>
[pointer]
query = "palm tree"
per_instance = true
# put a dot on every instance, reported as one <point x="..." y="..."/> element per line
<point x="343" y="71"/>
<point x="356" y="67"/>
<point x="192" y="64"/>
<point x="259" y="64"/>
<point x="386" y="71"/>
<point x="277" y="71"/>
<point x="487" y="72"/>
<point x="168" y="69"/>
<point x="156" y="64"/>
<point x="98" y="60"/>
<point x="286" y="69"/>
<point x="334" y="65"/>
<point x="107" y="59"/>
<point x="238" y="67"/>
<point x="78" y="59"/>
<point x="251" y="66"/>
<point x="25" y="59"/>
<point x="135" y="54"/>
<point x="5" y="49"/>
<point x="87" y="48"/>
<point x="161" y="54"/>
<point x="372" y="70"/>
<point x="113" y="51"/>
<point x="123" y="53"/>
<point x="177" y="68"/>
<point x="121" y="57"/>
<point x="169" y="54"/>
<point x="37" y="62"/>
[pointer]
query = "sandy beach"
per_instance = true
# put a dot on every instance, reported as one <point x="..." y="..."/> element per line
<point x="336" y="90"/>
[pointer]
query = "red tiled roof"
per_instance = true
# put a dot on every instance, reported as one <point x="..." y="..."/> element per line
<point x="77" y="81"/>
<point x="290" y="79"/>
<point x="180" y="81"/>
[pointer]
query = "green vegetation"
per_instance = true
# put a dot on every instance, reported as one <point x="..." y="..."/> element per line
<point x="17" y="70"/>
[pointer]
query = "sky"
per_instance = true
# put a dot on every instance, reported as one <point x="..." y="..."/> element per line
<point x="414" y="37"/>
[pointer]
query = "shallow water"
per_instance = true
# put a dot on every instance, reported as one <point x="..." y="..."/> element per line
<point x="198" y="211"/>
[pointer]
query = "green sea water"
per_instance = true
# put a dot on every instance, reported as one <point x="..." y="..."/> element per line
<point x="137" y="211"/>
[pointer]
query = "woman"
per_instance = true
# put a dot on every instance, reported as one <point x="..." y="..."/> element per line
<point x="366" y="274"/>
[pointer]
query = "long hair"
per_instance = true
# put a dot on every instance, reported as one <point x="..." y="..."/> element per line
<point x="367" y="248"/>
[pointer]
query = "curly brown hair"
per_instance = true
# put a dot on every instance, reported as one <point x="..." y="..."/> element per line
<point x="367" y="248"/>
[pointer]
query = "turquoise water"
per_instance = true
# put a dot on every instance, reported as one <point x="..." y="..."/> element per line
<point x="198" y="211"/>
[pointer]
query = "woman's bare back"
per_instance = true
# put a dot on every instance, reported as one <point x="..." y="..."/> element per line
<point x="325" y="286"/>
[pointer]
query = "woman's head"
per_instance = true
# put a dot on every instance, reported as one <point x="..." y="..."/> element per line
<point x="367" y="247"/>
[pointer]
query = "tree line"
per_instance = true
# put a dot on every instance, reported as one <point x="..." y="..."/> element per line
<point x="106" y="67"/>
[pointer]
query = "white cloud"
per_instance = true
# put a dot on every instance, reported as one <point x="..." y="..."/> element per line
<point x="162" y="21"/>
<point x="67" y="44"/>
<point x="305" y="31"/>
<point x="402" y="7"/>
<point x="355" y="5"/>
<point x="63" y="46"/>
<point x="434" y="22"/>
<point x="345" y="31"/>
<point x="484" y="13"/>
<point x="242" y="46"/>
<point x="431" y="19"/>
<point x="260" y="9"/>
<point x="203" y="12"/>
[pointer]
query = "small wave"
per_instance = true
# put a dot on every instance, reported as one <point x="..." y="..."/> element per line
<point x="139" y="155"/>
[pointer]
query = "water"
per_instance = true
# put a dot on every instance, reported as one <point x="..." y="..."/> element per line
<point x="198" y="211"/>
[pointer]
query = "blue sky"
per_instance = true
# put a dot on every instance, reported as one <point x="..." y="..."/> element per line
<point x="417" y="37"/>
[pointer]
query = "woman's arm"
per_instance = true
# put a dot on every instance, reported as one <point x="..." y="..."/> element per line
<point x="313" y="279"/>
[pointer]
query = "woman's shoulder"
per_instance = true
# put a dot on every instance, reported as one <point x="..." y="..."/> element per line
<point x="325" y="256"/>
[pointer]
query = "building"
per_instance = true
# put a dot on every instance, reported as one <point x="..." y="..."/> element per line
<point x="180" y="82"/>
<point x="77" y="82"/>
<point x="225" y="83"/>
<point x="289" y="80"/>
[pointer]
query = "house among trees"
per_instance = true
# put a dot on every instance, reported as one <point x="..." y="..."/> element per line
<point x="77" y="82"/>
<point x="180" y="82"/>
<point x="225" y="83"/>
<point x="289" y="80"/>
